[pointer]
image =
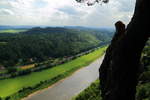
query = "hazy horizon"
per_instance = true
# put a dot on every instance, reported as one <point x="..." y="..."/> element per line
<point x="44" y="26"/>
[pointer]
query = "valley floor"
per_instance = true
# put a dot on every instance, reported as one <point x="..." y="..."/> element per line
<point x="16" y="88"/>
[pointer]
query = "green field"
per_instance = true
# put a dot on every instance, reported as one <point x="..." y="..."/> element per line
<point x="12" y="31"/>
<point x="13" y="85"/>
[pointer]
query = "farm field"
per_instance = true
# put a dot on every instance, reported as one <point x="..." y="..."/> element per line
<point x="12" y="31"/>
<point x="13" y="85"/>
<point x="27" y="66"/>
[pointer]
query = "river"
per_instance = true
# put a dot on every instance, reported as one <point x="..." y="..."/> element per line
<point x="70" y="86"/>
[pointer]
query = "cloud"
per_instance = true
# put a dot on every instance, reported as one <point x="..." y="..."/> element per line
<point x="4" y="11"/>
<point x="64" y="12"/>
<point x="69" y="10"/>
<point x="126" y="5"/>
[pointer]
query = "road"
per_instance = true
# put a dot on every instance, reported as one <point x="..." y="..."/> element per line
<point x="70" y="86"/>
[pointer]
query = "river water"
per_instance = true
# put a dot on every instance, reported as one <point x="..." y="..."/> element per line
<point x="70" y="86"/>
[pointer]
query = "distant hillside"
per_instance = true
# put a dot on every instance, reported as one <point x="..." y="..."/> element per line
<point x="100" y="33"/>
<point x="39" y="44"/>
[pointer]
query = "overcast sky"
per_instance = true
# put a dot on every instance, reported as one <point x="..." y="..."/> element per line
<point x="64" y="13"/>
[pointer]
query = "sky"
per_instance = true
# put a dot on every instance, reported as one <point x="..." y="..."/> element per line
<point x="64" y="13"/>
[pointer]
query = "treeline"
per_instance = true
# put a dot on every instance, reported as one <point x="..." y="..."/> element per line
<point x="38" y="44"/>
<point x="14" y="72"/>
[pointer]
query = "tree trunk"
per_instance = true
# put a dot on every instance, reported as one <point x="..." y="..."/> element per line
<point x="119" y="70"/>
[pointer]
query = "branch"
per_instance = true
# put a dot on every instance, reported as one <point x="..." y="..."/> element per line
<point x="92" y="2"/>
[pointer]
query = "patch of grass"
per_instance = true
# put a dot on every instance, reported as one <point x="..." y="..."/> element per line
<point x="13" y="85"/>
<point x="3" y="43"/>
<point x="90" y="93"/>
<point x="12" y="31"/>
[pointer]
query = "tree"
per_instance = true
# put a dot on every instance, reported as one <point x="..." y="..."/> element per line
<point x="11" y="69"/>
<point x="119" y="77"/>
<point x="7" y="98"/>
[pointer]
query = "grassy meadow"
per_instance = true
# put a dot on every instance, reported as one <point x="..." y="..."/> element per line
<point x="13" y="85"/>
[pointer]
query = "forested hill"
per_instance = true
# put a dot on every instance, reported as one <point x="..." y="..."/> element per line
<point x="101" y="34"/>
<point x="39" y="44"/>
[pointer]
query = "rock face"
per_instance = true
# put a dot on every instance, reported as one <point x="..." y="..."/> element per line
<point x="106" y="67"/>
<point x="120" y="68"/>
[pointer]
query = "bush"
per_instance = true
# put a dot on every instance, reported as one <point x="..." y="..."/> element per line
<point x="24" y="72"/>
<point x="145" y="77"/>
<point x="143" y="92"/>
<point x="91" y="93"/>
<point x="11" y="69"/>
<point x="7" y="98"/>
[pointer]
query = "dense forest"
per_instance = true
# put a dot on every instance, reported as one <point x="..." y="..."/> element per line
<point x="38" y="44"/>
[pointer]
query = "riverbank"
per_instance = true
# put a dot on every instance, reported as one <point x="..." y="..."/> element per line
<point x="90" y="93"/>
<point x="22" y="86"/>
<point x="70" y="86"/>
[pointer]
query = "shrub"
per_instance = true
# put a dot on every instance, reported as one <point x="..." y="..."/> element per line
<point x="143" y="92"/>
<point x="145" y="77"/>
<point x="11" y="69"/>
<point x="7" y="98"/>
<point x="91" y="93"/>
